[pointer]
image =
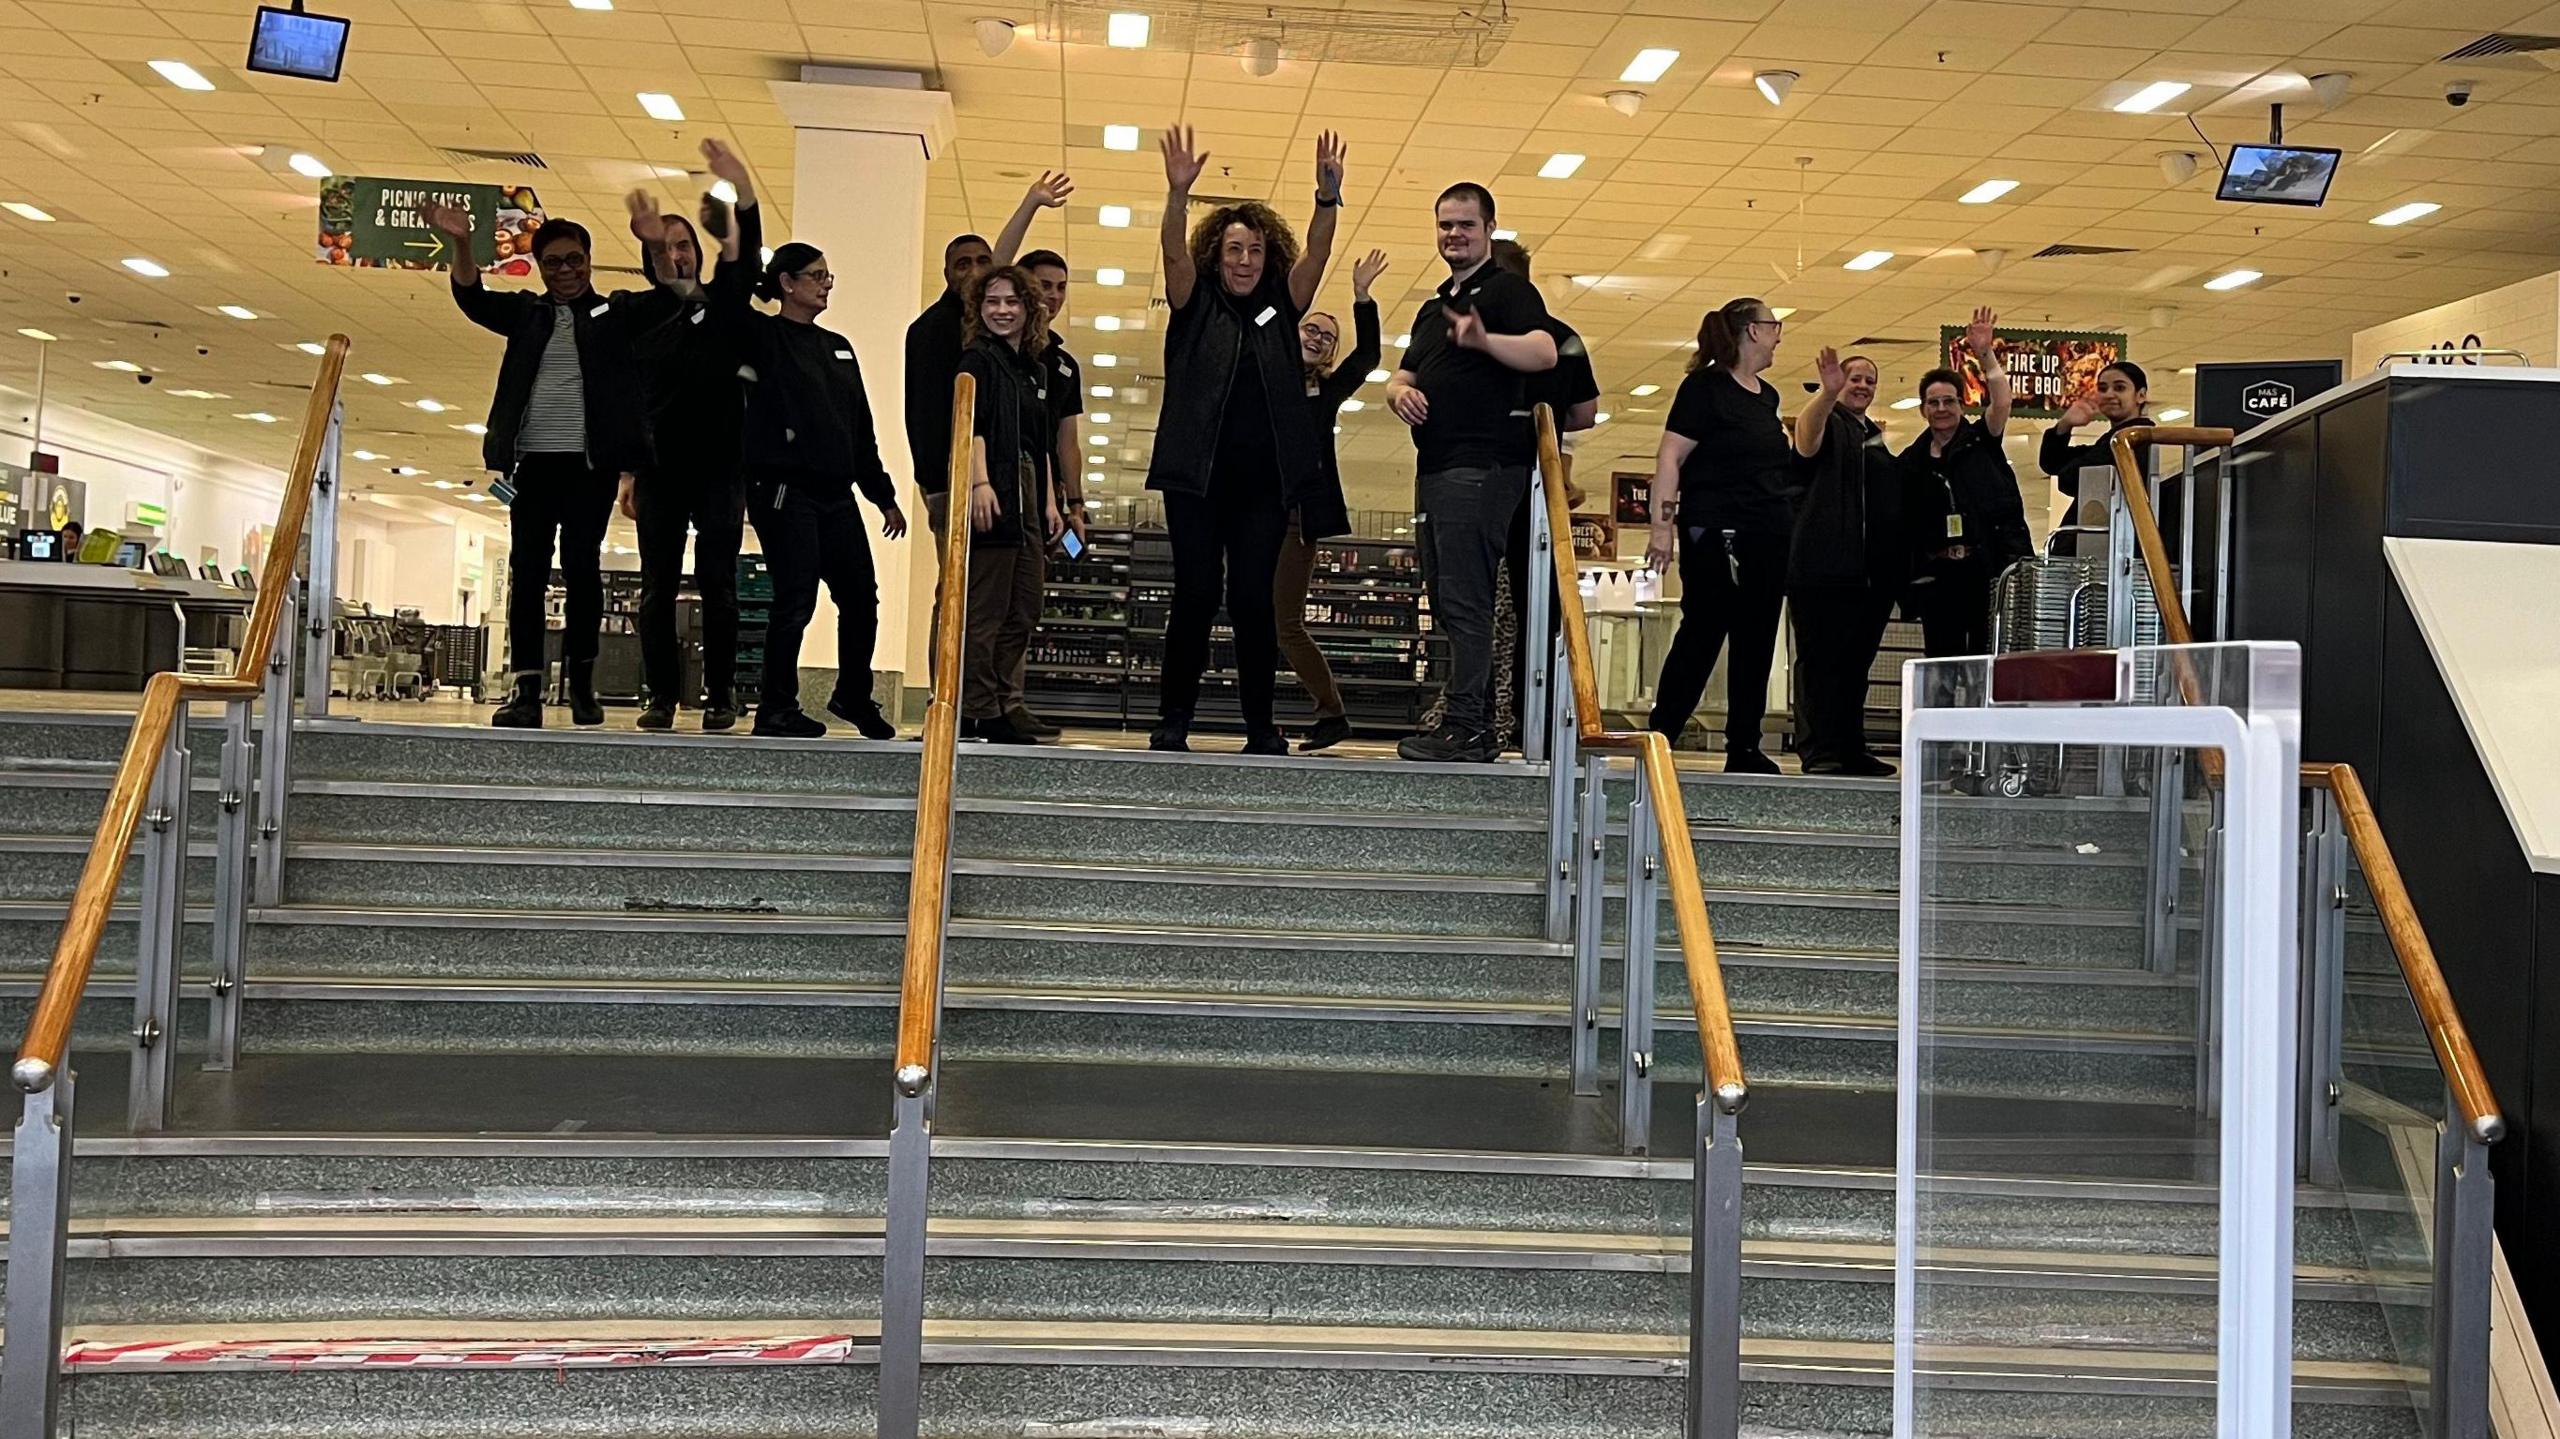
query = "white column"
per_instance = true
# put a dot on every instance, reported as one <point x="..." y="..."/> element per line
<point x="863" y="139"/>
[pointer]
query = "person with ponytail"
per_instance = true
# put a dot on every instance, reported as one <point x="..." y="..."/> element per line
<point x="1013" y="493"/>
<point x="1724" y="488"/>
<point x="809" y="443"/>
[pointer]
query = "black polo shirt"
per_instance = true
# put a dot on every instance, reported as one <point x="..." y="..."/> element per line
<point x="1742" y="475"/>
<point x="1476" y="400"/>
<point x="933" y="362"/>
<point x="1066" y="390"/>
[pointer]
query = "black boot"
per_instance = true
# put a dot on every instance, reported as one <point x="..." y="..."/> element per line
<point x="861" y="713"/>
<point x="523" y="708"/>
<point x="661" y="714"/>
<point x="719" y="711"/>
<point x="584" y="707"/>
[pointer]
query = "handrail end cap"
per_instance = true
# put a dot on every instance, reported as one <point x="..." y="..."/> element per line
<point x="1731" y="1097"/>
<point x="912" y="1079"/>
<point x="2489" y="1128"/>
<point x="34" y="1076"/>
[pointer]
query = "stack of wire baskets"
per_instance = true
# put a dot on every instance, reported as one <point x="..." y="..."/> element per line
<point x="2059" y="602"/>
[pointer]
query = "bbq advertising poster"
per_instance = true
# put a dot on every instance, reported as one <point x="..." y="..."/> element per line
<point x="2048" y="369"/>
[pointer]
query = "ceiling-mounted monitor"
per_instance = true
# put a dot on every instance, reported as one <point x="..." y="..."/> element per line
<point x="2278" y="175"/>
<point x="289" y="42"/>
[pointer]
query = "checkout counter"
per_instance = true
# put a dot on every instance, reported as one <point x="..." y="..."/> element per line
<point x="105" y="627"/>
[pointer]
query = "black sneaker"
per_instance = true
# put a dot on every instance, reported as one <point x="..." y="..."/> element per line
<point x="523" y="708"/>
<point x="659" y="715"/>
<point x="788" y="724"/>
<point x="865" y="716"/>
<point x="584" y="707"/>
<point x="1031" y="724"/>
<point x="719" y="714"/>
<point x="1171" y="739"/>
<point x="1748" y="761"/>
<point x="1450" y="744"/>
<point x="1864" y="766"/>
<point x="1328" y="732"/>
<point x="994" y="730"/>
<point x="1268" y="742"/>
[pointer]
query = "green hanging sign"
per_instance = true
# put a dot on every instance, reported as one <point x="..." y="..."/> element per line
<point x="380" y="224"/>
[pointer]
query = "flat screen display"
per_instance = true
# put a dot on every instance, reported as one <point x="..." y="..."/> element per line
<point x="129" y="555"/>
<point x="39" y="544"/>
<point x="2278" y="175"/>
<point x="289" y="42"/>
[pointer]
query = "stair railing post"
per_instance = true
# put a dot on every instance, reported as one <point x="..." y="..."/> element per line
<point x="1538" y="576"/>
<point x="275" y="752"/>
<point x="902" y="1255"/>
<point x="1636" y="974"/>
<point x="2164" y="870"/>
<point x="2465" y="1267"/>
<point x="320" y="594"/>
<point x="39" y="1234"/>
<point x="232" y="863"/>
<point x="1591" y="907"/>
<point x="2324" y="973"/>
<point x="164" y="911"/>
<point x="1562" y="765"/>
<point x="1715" y="1275"/>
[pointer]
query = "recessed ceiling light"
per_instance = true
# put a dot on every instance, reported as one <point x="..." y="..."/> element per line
<point x="372" y="378"/>
<point x="1600" y="417"/>
<point x="127" y="366"/>
<point x="312" y="347"/>
<point x="477" y="498"/>
<point x="2233" y="280"/>
<point x="238" y="312"/>
<point x="151" y="269"/>
<point x="1986" y="192"/>
<point x="1774" y="85"/>
<point x="310" y="165"/>
<point x="406" y="470"/>
<point x="1100" y="417"/>
<point x="2186" y="369"/>
<point x="1782" y="311"/>
<point x="1110" y="275"/>
<point x="1560" y="166"/>
<point x="474" y="428"/>
<point x="181" y="74"/>
<point x="1403" y="341"/>
<point x="1379" y="377"/>
<point x="25" y="211"/>
<point x="1119" y="137"/>
<point x="1103" y="362"/>
<point x="1353" y="407"/>
<point x="1101" y="392"/>
<point x="1506" y="234"/>
<point x="2173" y="416"/>
<point x="1586" y="280"/>
<point x="1645" y="391"/>
<point x="432" y="407"/>
<point x="259" y="416"/>
<point x="1114" y="217"/>
<point x="1907" y="402"/>
<point x="1106" y="323"/>
<point x="1866" y="260"/>
<point x="661" y="106"/>
<point x="1094" y="477"/>
<point x="200" y="394"/>
<point x="33" y="333"/>
<point x="1649" y="66"/>
<point x="367" y="455"/>
<point x="724" y="192"/>
<point x="2152" y="96"/>
<point x="1127" y="30"/>
<point x="442" y="485"/>
<point x="590" y="4"/>
<point x="2403" y="214"/>
<point x="1099" y="441"/>
<point x="765" y="254"/>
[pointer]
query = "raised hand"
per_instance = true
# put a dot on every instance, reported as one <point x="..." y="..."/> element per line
<point x="1183" y="160"/>
<point x="1466" y="330"/>
<point x="1050" y="191"/>
<point x="1366" y="273"/>
<point x="647" y="225"/>
<point x="451" y="221"/>
<point x="1834" y="375"/>
<point x="725" y="162"/>
<point x="2080" y="413"/>
<point x="1329" y="154"/>
<point x="1978" y="335"/>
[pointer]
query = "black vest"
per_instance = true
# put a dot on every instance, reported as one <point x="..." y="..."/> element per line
<point x="1201" y="346"/>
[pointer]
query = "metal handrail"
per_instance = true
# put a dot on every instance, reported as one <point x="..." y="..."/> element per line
<point x="164" y="697"/>
<point x="1721" y="1053"/>
<point x="2446" y="1033"/>
<point x="2174" y="628"/>
<point x="928" y="882"/>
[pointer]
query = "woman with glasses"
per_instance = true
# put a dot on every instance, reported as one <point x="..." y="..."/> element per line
<point x="1848" y="563"/>
<point x="1321" y="512"/>
<point x="1013" y="490"/>
<point x="809" y="444"/>
<point x="1724" y="489"/>
<point x="1968" y="521"/>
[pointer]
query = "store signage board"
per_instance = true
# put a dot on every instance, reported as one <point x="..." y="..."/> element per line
<point x="1633" y="494"/>
<point x="1595" y="537"/>
<point x="2048" y="369"/>
<point x="2244" y="396"/>
<point x="374" y="223"/>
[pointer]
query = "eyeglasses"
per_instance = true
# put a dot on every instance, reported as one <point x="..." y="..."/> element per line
<point x="1315" y="332"/>
<point x="814" y="277"/>
<point x="563" y="260"/>
<point x="1780" y="325"/>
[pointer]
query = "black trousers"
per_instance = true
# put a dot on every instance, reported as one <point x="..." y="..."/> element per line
<point x="1732" y="589"/>
<point x="1225" y="542"/>
<point x="712" y="503"/>
<point x="811" y="531"/>
<point x="1955" y="608"/>
<point x="557" y="497"/>
<point x="1838" y="629"/>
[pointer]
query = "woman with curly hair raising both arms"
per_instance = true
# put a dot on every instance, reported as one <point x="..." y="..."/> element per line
<point x="1236" y="444"/>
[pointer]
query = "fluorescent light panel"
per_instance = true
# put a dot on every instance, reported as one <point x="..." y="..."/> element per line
<point x="151" y="269"/>
<point x="2152" y="96"/>
<point x="309" y="165"/>
<point x="1649" y="66"/>
<point x="2173" y="416"/>
<point x="1119" y="137"/>
<point x="238" y="312"/>
<point x="1560" y="167"/>
<point x="724" y="192"/>
<point x="2403" y="214"/>
<point x="1110" y="275"/>
<point x="661" y="106"/>
<point x="1114" y="217"/>
<point x="2234" y="279"/>
<point x="1127" y="30"/>
<point x="1866" y="260"/>
<point x="1986" y="192"/>
<point x="181" y="74"/>
<point x="33" y="333"/>
<point x="1642" y="392"/>
<point x="25" y="211"/>
<point x="1907" y="402"/>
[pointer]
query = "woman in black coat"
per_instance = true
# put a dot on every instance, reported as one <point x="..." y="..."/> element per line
<point x="1013" y="490"/>
<point x="1967" y="520"/>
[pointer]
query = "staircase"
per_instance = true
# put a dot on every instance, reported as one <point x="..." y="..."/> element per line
<point x="563" y="1083"/>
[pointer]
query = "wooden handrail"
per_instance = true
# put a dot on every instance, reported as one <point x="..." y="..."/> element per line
<point x="929" y="877"/>
<point x="2427" y="989"/>
<point x="164" y="699"/>
<point x="2174" y="628"/>
<point x="1721" y="1053"/>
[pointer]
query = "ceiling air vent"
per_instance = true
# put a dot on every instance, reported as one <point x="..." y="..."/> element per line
<point x="2061" y="252"/>
<point x="465" y="156"/>
<point x="2500" y="42"/>
<point x="1449" y="38"/>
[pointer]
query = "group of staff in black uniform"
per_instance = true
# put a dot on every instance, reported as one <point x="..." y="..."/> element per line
<point x="1824" y="522"/>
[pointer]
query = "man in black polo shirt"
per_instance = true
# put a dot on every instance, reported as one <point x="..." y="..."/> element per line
<point x="1462" y="390"/>
<point x="1066" y="406"/>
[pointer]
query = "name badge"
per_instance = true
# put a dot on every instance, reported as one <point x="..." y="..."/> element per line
<point x="844" y="354"/>
<point x="599" y="312"/>
<point x="697" y="317"/>
<point x="1265" y="318"/>
<point x="1064" y="368"/>
<point x="748" y="373"/>
<point x="1955" y="527"/>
